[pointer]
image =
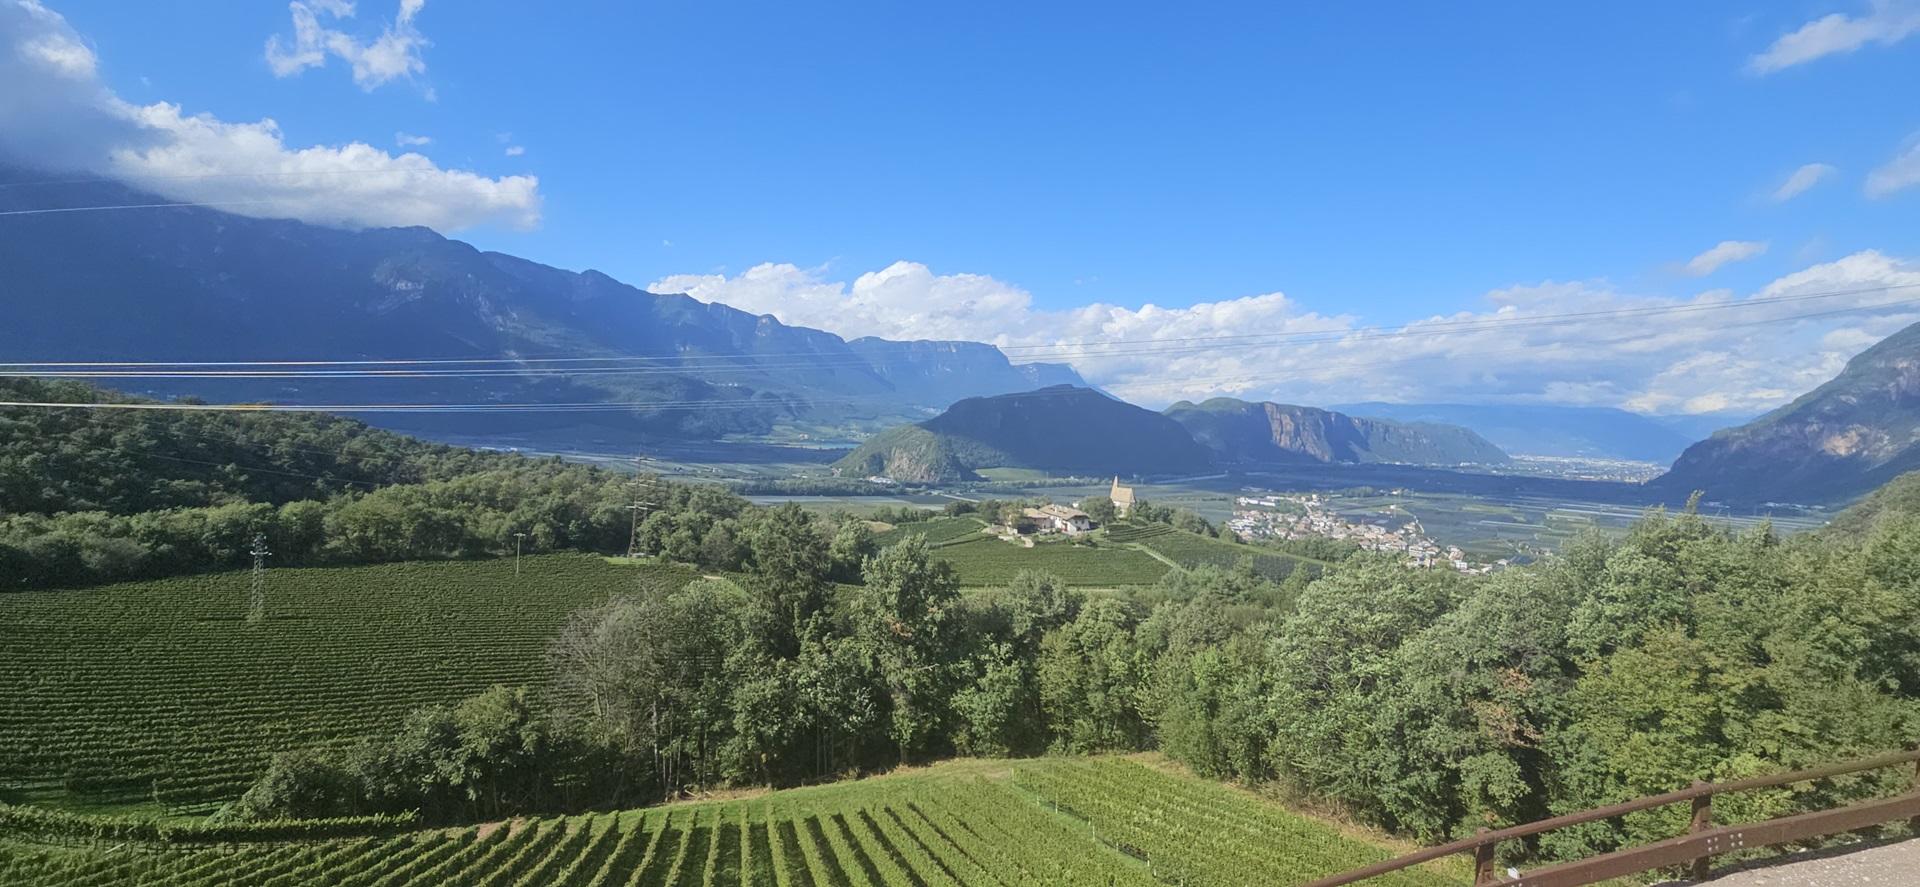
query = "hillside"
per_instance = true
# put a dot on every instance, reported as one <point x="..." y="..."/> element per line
<point x="1063" y="429"/>
<point x="1834" y="443"/>
<point x="1270" y="433"/>
<point x="127" y="461"/>
<point x="1591" y="432"/>
<point x="1899" y="499"/>
<point x="196" y="284"/>
<point x="201" y="699"/>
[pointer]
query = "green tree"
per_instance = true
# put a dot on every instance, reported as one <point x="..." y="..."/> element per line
<point x="1090" y="675"/>
<point x="907" y="620"/>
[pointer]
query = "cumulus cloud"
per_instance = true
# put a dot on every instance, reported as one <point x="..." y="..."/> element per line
<point x="393" y="54"/>
<point x="1801" y="180"/>
<point x="57" y="114"/>
<point x="1899" y="174"/>
<point x="1723" y="253"/>
<point x="1713" y="352"/>
<point x="1886" y="22"/>
<point x="409" y="140"/>
<point x="515" y="150"/>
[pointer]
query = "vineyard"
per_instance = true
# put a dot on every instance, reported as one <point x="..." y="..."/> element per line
<point x="162" y="691"/>
<point x="986" y="562"/>
<point x="938" y="531"/>
<point x="1056" y="821"/>
<point x="1190" y="551"/>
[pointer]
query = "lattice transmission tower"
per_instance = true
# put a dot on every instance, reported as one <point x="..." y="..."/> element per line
<point x="257" y="593"/>
<point x="643" y="487"/>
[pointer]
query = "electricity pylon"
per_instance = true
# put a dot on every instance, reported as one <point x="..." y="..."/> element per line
<point x="642" y="488"/>
<point x="257" y="594"/>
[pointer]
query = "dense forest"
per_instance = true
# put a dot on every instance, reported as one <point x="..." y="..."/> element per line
<point x="1422" y="701"/>
<point x="94" y="495"/>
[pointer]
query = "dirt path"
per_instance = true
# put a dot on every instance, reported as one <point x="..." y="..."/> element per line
<point x="1885" y="865"/>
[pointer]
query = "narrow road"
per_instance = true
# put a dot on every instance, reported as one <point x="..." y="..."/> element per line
<point x="1891" y="865"/>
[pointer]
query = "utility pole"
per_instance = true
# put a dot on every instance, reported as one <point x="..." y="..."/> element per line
<point x="642" y="487"/>
<point x="257" y="595"/>
<point x="517" y="539"/>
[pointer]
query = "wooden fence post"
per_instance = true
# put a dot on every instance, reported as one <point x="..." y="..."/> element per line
<point x="1483" y="861"/>
<point x="1702" y="820"/>
<point x="1913" y="825"/>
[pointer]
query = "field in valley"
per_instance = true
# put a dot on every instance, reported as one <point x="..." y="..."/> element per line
<point x="1067" y="821"/>
<point x="162" y="694"/>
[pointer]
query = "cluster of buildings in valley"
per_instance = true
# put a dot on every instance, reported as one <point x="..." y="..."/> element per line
<point x="1584" y="468"/>
<point x="1308" y="515"/>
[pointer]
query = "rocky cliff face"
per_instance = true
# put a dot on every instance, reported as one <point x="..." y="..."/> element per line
<point x="1273" y="433"/>
<point x="1834" y="443"/>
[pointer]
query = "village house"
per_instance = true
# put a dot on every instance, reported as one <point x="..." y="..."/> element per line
<point x="1059" y="519"/>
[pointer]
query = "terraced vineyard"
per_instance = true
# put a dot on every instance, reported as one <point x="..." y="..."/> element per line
<point x="162" y="691"/>
<point x="952" y="824"/>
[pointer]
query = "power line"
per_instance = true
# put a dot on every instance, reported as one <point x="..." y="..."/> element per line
<point x="124" y="178"/>
<point x="711" y="406"/>
<point x="89" y="209"/>
<point x="682" y="363"/>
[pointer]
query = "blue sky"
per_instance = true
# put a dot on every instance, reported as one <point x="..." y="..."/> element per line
<point x="1384" y="164"/>
<point x="1408" y="159"/>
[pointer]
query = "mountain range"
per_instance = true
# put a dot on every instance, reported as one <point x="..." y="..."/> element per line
<point x="1520" y="429"/>
<point x="191" y="284"/>
<point x="1840" y="440"/>
<point x="1072" y="430"/>
<point x="1239" y="432"/>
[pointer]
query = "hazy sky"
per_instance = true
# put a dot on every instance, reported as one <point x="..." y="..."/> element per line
<point x="1032" y="173"/>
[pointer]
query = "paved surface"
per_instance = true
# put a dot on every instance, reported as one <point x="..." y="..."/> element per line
<point x="1891" y="865"/>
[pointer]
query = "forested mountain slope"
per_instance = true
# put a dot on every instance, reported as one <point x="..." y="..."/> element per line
<point x="1062" y="428"/>
<point x="1832" y="444"/>
<point x="126" y="461"/>
<point x="196" y="284"/>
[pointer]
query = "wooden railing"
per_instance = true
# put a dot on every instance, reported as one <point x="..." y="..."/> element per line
<point x="1697" y="847"/>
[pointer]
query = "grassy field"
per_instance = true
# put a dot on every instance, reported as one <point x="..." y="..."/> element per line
<point x="161" y="693"/>
<point x="1068" y="821"/>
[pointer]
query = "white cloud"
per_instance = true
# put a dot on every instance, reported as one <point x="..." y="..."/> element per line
<point x="1800" y="180"/>
<point x="1723" y="253"/>
<point x="353" y="184"/>
<point x="515" y="150"/>
<point x="409" y="140"/>
<point x="1887" y="22"/>
<point x="905" y="300"/>
<point x="1900" y="173"/>
<point x="1711" y="355"/>
<point x="56" y="114"/>
<point x="393" y="54"/>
